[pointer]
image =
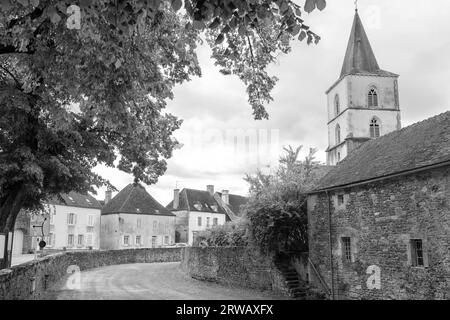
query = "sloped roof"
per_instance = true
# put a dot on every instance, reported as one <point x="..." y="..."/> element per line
<point x="74" y="199"/>
<point x="420" y="145"/>
<point x="134" y="199"/>
<point x="191" y="198"/>
<point x="359" y="57"/>
<point x="235" y="203"/>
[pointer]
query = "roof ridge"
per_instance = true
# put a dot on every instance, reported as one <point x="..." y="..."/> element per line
<point x="128" y="197"/>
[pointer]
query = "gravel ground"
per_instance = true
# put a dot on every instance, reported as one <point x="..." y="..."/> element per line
<point x="150" y="281"/>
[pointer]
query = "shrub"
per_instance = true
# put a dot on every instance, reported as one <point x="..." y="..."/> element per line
<point x="231" y="234"/>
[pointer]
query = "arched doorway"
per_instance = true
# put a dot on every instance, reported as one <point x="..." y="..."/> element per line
<point x="17" y="242"/>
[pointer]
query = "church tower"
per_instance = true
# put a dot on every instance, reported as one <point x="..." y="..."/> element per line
<point x="363" y="103"/>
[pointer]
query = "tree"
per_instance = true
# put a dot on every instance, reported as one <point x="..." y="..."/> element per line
<point x="276" y="210"/>
<point x="85" y="82"/>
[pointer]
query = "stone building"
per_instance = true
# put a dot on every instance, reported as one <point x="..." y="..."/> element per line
<point x="363" y="103"/>
<point x="196" y="211"/>
<point x="379" y="222"/>
<point x="134" y="219"/>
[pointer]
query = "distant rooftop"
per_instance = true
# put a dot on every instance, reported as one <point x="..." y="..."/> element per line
<point x="74" y="199"/>
<point x="134" y="199"/>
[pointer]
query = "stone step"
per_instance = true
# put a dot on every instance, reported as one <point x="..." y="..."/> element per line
<point x="290" y="274"/>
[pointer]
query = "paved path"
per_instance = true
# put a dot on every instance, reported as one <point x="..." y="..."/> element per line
<point x="149" y="281"/>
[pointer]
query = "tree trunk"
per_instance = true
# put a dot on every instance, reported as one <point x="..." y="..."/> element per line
<point x="10" y="208"/>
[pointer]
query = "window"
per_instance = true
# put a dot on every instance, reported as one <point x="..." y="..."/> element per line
<point x="80" y="240"/>
<point x="138" y="223"/>
<point x="71" y="219"/>
<point x="336" y="105"/>
<point x="138" y="240"/>
<point x="90" y="220"/>
<point x="199" y="221"/>
<point x="89" y="238"/>
<point x="374" y="128"/>
<point x="215" y="221"/>
<point x="126" y="240"/>
<point x="346" y="249"/>
<point x="155" y="225"/>
<point x="207" y="222"/>
<point x="372" y="98"/>
<point x="338" y="157"/>
<point x="417" y="253"/>
<point x="153" y="242"/>
<point x="70" y="240"/>
<point x="166" y="240"/>
<point x="340" y="199"/>
<point x="198" y="206"/>
<point x="338" y="134"/>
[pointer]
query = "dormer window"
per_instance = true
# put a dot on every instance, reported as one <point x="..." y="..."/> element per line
<point x="214" y="208"/>
<point x="372" y="98"/>
<point x="71" y="199"/>
<point x="198" y="206"/>
<point x="337" y="108"/>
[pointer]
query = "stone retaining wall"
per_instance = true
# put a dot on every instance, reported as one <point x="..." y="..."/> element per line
<point x="30" y="280"/>
<point x="234" y="266"/>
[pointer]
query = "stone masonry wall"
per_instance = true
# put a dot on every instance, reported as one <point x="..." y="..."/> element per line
<point x="16" y="282"/>
<point x="381" y="218"/>
<point x="234" y="266"/>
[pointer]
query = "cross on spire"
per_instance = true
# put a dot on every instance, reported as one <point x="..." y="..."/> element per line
<point x="356" y="5"/>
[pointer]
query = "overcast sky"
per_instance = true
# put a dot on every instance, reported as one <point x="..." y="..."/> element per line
<point x="409" y="37"/>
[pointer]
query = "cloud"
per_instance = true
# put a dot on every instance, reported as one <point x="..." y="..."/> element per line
<point x="408" y="38"/>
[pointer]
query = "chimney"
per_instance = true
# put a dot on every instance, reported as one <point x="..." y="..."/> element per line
<point x="108" y="196"/>
<point x="225" y="196"/>
<point x="210" y="189"/>
<point x="176" y="198"/>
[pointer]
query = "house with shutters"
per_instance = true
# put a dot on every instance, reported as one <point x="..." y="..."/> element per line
<point x="70" y="221"/>
<point x="198" y="210"/>
<point x="134" y="219"/>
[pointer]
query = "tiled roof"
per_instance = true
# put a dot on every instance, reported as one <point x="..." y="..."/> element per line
<point x="235" y="203"/>
<point x="196" y="200"/>
<point x="422" y="144"/>
<point x="135" y="199"/>
<point x="74" y="199"/>
<point x="359" y="57"/>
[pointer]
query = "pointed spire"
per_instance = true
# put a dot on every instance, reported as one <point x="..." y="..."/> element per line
<point x="359" y="56"/>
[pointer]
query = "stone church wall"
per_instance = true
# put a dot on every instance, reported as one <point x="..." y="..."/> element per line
<point x="381" y="219"/>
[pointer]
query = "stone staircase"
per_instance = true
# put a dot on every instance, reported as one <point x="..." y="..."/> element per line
<point x="297" y="288"/>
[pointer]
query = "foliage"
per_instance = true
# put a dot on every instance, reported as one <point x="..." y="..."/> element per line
<point x="231" y="234"/>
<point x="85" y="82"/>
<point x="277" y="207"/>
